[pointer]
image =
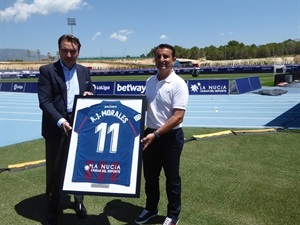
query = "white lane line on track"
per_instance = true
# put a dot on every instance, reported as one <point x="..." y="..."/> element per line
<point x="22" y="113"/>
<point x="9" y="119"/>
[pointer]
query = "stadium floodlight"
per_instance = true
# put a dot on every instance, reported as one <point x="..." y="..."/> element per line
<point x="71" y="22"/>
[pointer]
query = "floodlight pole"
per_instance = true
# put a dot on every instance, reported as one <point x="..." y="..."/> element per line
<point x="71" y="22"/>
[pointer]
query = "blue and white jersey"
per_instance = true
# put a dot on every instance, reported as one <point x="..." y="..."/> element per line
<point x="106" y="136"/>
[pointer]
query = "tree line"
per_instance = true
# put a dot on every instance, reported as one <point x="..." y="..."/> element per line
<point x="234" y="50"/>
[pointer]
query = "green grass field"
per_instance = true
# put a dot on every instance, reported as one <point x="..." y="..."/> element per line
<point x="266" y="79"/>
<point x="231" y="180"/>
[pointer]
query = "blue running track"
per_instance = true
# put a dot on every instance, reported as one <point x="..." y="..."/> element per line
<point x="20" y="116"/>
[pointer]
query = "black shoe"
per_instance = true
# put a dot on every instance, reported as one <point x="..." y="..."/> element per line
<point x="80" y="209"/>
<point x="52" y="219"/>
<point x="145" y="216"/>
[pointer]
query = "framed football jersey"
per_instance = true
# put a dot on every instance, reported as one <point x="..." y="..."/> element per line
<point x="105" y="151"/>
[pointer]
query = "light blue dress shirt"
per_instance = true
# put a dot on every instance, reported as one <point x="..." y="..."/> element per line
<point x="72" y="88"/>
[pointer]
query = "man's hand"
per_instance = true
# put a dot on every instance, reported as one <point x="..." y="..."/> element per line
<point x="66" y="127"/>
<point x="148" y="140"/>
<point x="87" y="93"/>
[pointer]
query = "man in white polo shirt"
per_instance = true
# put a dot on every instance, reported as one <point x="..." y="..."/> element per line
<point x="167" y="98"/>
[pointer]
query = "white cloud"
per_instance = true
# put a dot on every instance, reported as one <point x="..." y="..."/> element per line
<point x="163" y="37"/>
<point x="22" y="10"/>
<point x="96" y="35"/>
<point x="121" y="35"/>
<point x="222" y="34"/>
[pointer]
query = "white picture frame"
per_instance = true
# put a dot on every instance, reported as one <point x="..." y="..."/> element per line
<point x="97" y="182"/>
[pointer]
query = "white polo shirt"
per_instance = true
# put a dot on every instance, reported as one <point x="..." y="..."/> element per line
<point x="164" y="96"/>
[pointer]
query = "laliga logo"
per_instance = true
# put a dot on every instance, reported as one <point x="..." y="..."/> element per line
<point x="16" y="87"/>
<point x="101" y="87"/>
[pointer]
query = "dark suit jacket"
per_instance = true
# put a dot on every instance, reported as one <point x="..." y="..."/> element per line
<point x="52" y="94"/>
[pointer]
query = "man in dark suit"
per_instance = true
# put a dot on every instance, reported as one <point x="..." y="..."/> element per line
<point x="58" y="84"/>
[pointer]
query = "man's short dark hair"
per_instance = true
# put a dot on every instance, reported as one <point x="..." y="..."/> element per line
<point x="69" y="38"/>
<point x="166" y="46"/>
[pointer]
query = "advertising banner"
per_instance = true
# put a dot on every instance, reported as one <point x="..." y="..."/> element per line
<point x="130" y="87"/>
<point x="208" y="87"/>
<point x="104" y="88"/>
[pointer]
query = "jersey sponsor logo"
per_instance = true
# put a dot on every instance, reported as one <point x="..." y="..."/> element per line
<point x="102" y="168"/>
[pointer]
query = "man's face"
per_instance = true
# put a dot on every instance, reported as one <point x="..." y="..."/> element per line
<point x="68" y="53"/>
<point x="164" y="59"/>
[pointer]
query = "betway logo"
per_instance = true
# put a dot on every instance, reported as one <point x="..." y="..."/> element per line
<point x="131" y="88"/>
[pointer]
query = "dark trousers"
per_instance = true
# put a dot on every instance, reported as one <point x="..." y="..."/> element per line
<point x="164" y="153"/>
<point x="56" y="153"/>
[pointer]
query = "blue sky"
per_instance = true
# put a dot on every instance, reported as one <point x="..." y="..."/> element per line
<point x="117" y="28"/>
